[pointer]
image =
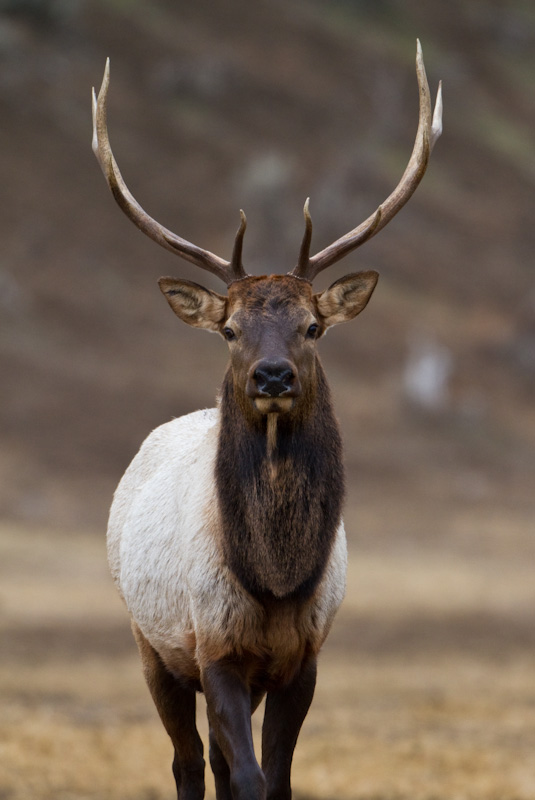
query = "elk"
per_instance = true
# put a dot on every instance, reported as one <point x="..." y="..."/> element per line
<point x="225" y="535"/>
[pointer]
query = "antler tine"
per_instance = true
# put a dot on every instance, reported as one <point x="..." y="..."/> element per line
<point x="429" y="129"/>
<point x="236" y="262"/>
<point x="225" y="270"/>
<point x="304" y="253"/>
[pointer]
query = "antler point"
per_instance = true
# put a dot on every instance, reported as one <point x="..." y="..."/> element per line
<point x="306" y="213"/>
<point x="436" y="125"/>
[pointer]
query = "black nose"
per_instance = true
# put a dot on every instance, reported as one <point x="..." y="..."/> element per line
<point x="273" y="378"/>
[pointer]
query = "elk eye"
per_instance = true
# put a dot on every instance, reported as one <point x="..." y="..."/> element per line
<point x="229" y="334"/>
<point x="312" y="332"/>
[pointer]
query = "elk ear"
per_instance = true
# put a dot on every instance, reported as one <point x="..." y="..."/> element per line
<point x="194" y="304"/>
<point x="346" y="298"/>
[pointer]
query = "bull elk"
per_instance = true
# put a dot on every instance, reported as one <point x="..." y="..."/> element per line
<point x="225" y="535"/>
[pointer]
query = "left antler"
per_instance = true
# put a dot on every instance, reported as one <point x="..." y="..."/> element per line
<point x="228" y="271"/>
<point x="429" y="129"/>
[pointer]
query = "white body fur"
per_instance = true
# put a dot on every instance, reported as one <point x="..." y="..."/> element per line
<point x="165" y="553"/>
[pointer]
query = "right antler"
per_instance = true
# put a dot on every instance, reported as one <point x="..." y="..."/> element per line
<point x="228" y="271"/>
<point x="429" y="129"/>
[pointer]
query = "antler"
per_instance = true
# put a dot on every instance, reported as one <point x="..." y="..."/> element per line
<point x="228" y="271"/>
<point x="429" y="129"/>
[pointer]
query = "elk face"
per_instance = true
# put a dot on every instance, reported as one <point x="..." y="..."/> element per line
<point x="271" y="325"/>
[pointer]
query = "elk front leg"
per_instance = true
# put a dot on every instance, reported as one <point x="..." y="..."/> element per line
<point x="229" y="703"/>
<point x="218" y="762"/>
<point x="220" y="769"/>
<point x="175" y="703"/>
<point x="286" y="709"/>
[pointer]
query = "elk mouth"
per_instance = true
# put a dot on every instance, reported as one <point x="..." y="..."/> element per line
<point x="273" y="405"/>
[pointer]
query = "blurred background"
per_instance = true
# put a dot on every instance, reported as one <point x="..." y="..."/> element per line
<point x="213" y="107"/>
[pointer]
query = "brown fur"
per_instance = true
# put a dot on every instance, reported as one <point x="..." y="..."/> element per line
<point x="278" y="531"/>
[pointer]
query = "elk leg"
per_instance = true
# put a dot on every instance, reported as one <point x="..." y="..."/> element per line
<point x="286" y="709"/>
<point x="175" y="703"/>
<point x="218" y="762"/>
<point x="220" y="769"/>
<point x="229" y="703"/>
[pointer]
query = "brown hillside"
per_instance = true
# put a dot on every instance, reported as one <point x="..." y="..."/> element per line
<point x="217" y="106"/>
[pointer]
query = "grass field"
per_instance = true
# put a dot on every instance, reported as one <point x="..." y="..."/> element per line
<point x="426" y="687"/>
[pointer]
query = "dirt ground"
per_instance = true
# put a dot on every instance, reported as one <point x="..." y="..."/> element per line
<point x="426" y="686"/>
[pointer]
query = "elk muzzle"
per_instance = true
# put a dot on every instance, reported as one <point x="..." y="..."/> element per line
<point x="273" y="385"/>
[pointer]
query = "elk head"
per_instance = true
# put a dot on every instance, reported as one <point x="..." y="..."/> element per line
<point x="272" y="323"/>
<point x="271" y="326"/>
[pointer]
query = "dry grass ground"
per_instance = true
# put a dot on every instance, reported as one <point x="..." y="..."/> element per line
<point x="426" y="687"/>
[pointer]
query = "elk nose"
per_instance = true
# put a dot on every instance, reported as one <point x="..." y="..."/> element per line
<point x="274" y="378"/>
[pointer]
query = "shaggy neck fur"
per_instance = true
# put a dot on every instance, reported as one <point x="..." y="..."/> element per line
<point x="280" y="487"/>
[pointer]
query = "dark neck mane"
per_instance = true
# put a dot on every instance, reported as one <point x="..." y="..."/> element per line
<point x="279" y="513"/>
